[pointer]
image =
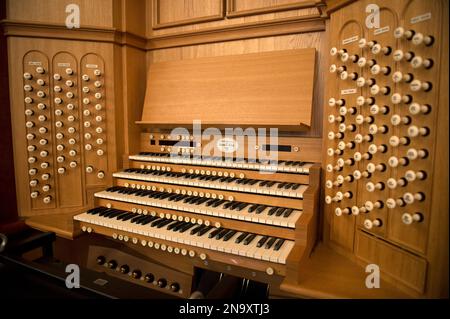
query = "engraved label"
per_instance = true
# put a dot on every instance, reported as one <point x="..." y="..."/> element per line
<point x="34" y="63"/>
<point x="350" y="40"/>
<point x="381" y="30"/>
<point x="421" y="18"/>
<point x="64" y="65"/>
<point x="348" y="91"/>
<point x="92" y="66"/>
<point x="227" y="145"/>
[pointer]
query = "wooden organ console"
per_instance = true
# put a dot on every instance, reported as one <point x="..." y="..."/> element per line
<point x="290" y="152"/>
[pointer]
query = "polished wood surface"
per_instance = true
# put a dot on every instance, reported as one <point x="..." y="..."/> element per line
<point x="72" y="188"/>
<point x="62" y="224"/>
<point x="262" y="88"/>
<point x="133" y="36"/>
<point x="327" y="274"/>
<point x="395" y="243"/>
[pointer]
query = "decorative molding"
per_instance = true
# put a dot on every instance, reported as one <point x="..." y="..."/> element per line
<point x="284" y="26"/>
<point x="156" y="17"/>
<point x="334" y="5"/>
<point x="58" y="31"/>
<point x="233" y="13"/>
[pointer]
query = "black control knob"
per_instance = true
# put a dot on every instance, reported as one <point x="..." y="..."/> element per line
<point x="136" y="274"/>
<point x="112" y="264"/>
<point x="101" y="260"/>
<point x="149" y="278"/>
<point x="175" y="287"/>
<point x="162" y="283"/>
<point x="124" y="269"/>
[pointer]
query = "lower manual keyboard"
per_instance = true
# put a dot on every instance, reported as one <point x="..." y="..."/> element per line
<point x="231" y="241"/>
<point x="278" y="216"/>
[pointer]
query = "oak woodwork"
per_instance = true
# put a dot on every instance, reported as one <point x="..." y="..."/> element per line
<point x="241" y="8"/>
<point x="263" y="89"/>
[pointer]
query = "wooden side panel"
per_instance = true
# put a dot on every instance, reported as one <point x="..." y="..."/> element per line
<point x="97" y="13"/>
<point x="65" y="133"/>
<point x="253" y="89"/>
<point x="243" y="8"/>
<point x="404" y="267"/>
<point x="169" y="13"/>
<point x="67" y="129"/>
<point x="384" y="131"/>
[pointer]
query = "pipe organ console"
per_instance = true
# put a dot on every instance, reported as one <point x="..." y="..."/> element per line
<point x="63" y="123"/>
<point x="321" y="149"/>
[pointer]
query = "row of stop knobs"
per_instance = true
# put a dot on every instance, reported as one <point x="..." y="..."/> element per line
<point x="137" y="274"/>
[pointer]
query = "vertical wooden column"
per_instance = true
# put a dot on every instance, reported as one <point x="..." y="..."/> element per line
<point x="8" y="210"/>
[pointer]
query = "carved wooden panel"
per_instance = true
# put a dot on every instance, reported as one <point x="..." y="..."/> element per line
<point x="239" y="8"/>
<point x="170" y="13"/>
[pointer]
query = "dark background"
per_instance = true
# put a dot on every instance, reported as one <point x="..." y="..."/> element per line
<point x="8" y="207"/>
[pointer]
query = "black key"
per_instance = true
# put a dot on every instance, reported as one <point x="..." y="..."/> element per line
<point x="99" y="210"/>
<point x="287" y="186"/>
<point x="215" y="232"/>
<point x="165" y="196"/>
<point x="278" y="244"/>
<point x="212" y="201"/>
<point x="129" y="217"/>
<point x="220" y="202"/>
<point x="122" y="216"/>
<point x="272" y="211"/>
<point x="111" y="212"/>
<point x="106" y="212"/>
<point x="178" y="198"/>
<point x="221" y="234"/>
<point x="253" y="182"/>
<point x="204" y="200"/>
<point x="234" y="205"/>
<point x="229" y="235"/>
<point x="172" y="197"/>
<point x="227" y="205"/>
<point x="96" y="210"/>
<point x="270" y="184"/>
<point x="249" y="239"/>
<point x="262" y="241"/>
<point x="197" y="229"/>
<point x="288" y="212"/>
<point x="188" y="226"/>
<point x="242" y="206"/>
<point x="263" y="183"/>
<point x="148" y="220"/>
<point x="164" y="223"/>
<point x="296" y="186"/>
<point x="188" y="199"/>
<point x="179" y="226"/>
<point x="260" y="209"/>
<point x="252" y="208"/>
<point x="116" y="213"/>
<point x="281" y="185"/>
<point x="195" y="200"/>
<point x="204" y="230"/>
<point x="270" y="242"/>
<point x="280" y="211"/>
<point x="241" y="237"/>
<point x="137" y="218"/>
<point x="171" y="226"/>
<point x="157" y="222"/>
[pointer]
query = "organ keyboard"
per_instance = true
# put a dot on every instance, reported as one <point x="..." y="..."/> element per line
<point x="231" y="210"/>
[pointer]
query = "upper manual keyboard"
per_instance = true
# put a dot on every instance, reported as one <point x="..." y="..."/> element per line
<point x="272" y="166"/>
